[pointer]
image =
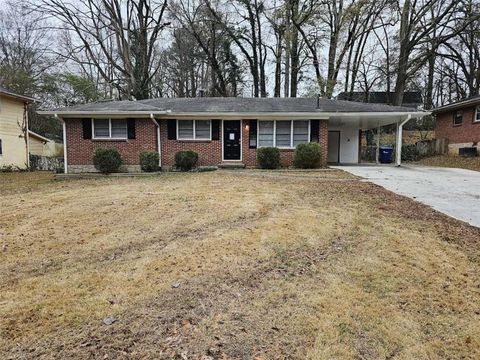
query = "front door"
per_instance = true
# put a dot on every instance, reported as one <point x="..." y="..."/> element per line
<point x="231" y="139"/>
<point x="334" y="147"/>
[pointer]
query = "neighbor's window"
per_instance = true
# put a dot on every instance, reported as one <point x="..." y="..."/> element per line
<point x="477" y="114"/>
<point x="457" y="118"/>
<point x="194" y="129"/>
<point x="109" y="128"/>
<point x="1" y="149"/>
<point x="283" y="133"/>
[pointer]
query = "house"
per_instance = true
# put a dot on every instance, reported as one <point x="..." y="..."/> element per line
<point x="411" y="99"/>
<point x="41" y="146"/>
<point x="459" y="124"/>
<point x="13" y="129"/>
<point x="221" y="130"/>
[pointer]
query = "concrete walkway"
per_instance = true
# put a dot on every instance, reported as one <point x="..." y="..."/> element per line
<point x="455" y="192"/>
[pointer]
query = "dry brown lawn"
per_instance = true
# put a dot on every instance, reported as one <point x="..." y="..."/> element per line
<point x="452" y="161"/>
<point x="229" y="265"/>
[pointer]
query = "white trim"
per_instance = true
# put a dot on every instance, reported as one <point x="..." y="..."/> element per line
<point x="64" y="128"/>
<point x="476" y="113"/>
<point x="275" y="133"/>
<point x="316" y="115"/>
<point x="195" y="131"/>
<point x="241" y="142"/>
<point x="109" y="131"/>
<point x="38" y="136"/>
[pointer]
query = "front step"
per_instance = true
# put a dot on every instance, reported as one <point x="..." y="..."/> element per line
<point x="235" y="165"/>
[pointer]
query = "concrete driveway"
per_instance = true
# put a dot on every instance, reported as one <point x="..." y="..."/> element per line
<point x="455" y="192"/>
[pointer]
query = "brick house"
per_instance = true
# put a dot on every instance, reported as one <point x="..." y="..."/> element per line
<point x="223" y="131"/>
<point x="459" y="123"/>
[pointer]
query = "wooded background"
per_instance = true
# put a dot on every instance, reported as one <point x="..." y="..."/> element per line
<point x="67" y="52"/>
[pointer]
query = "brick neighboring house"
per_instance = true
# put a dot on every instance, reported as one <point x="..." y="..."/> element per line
<point x="221" y="130"/>
<point x="459" y="123"/>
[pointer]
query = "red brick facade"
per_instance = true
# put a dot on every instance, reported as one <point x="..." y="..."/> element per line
<point x="80" y="151"/>
<point x="467" y="132"/>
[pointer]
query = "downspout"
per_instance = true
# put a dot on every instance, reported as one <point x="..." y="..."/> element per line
<point x="158" y="140"/>
<point x="64" y="128"/>
<point x="398" y="157"/>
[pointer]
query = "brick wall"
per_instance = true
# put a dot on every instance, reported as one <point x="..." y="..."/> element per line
<point x="468" y="132"/>
<point x="209" y="152"/>
<point x="80" y="151"/>
<point x="286" y="155"/>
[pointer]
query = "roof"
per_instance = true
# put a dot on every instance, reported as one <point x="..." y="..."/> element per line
<point x="38" y="136"/>
<point x="473" y="100"/>
<point x="228" y="105"/>
<point x="8" y="93"/>
<point x="381" y="97"/>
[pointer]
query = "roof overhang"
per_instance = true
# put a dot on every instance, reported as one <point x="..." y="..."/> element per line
<point x="352" y="117"/>
<point x="457" y="105"/>
<point x="26" y="99"/>
<point x="38" y="136"/>
<point x="373" y="120"/>
<point x="103" y="114"/>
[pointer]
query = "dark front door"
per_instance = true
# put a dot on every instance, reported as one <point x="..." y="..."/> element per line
<point x="231" y="139"/>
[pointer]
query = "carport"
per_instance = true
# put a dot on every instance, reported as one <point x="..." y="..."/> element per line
<point x="344" y="133"/>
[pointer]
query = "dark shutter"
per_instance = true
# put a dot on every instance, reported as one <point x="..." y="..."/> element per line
<point x="172" y="129"/>
<point x="314" y="130"/>
<point x="87" y="128"/>
<point x="252" y="135"/>
<point x="215" y="129"/>
<point x="131" y="128"/>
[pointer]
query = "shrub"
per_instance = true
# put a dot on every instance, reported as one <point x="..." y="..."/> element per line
<point x="186" y="160"/>
<point x="149" y="161"/>
<point x="410" y="153"/>
<point x="107" y="160"/>
<point x="268" y="157"/>
<point x="307" y="156"/>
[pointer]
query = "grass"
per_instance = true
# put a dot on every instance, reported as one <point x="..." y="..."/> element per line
<point x="267" y="267"/>
<point x="451" y="161"/>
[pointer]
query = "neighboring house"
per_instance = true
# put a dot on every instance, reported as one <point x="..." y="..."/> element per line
<point x="42" y="146"/>
<point x="411" y="99"/>
<point x="221" y="130"/>
<point x="13" y="125"/>
<point x="459" y="123"/>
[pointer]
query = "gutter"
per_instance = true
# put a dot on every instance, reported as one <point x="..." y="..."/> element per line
<point x="96" y="113"/>
<point x="152" y="116"/>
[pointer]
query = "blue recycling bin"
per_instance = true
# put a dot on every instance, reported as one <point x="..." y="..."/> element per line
<point x="386" y="154"/>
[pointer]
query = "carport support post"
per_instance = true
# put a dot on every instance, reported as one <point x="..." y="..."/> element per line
<point x="398" y="157"/>
<point x="377" y="150"/>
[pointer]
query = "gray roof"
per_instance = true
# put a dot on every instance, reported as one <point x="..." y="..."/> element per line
<point x="234" y="105"/>
<point x="7" y="92"/>
<point x="473" y="100"/>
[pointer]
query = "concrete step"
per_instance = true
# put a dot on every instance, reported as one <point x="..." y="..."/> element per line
<point x="231" y="165"/>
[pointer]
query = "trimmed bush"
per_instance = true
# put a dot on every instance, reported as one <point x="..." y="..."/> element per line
<point x="186" y="160"/>
<point x="410" y="152"/>
<point x="149" y="161"/>
<point x="107" y="160"/>
<point x="268" y="157"/>
<point x="307" y="156"/>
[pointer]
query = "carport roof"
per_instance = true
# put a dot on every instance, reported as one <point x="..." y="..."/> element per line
<point x="232" y="105"/>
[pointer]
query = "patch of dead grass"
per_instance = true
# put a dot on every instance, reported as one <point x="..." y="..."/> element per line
<point x="452" y="161"/>
<point x="268" y="267"/>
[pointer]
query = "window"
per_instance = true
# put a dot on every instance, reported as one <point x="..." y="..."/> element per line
<point x="457" y="118"/>
<point x="1" y="149"/>
<point x="283" y="133"/>
<point x="109" y="128"/>
<point x="476" y="118"/>
<point x="194" y="130"/>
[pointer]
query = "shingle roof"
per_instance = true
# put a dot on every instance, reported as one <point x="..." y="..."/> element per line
<point x="7" y="92"/>
<point x="473" y="100"/>
<point x="234" y="105"/>
<point x="380" y="97"/>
